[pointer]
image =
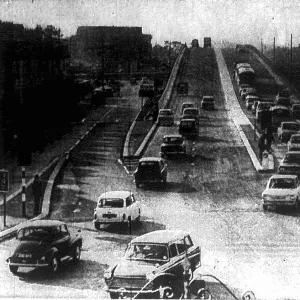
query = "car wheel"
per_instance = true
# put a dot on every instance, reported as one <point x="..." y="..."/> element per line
<point x="171" y="289"/>
<point x="97" y="225"/>
<point x="54" y="264"/>
<point x="76" y="253"/>
<point x="14" y="269"/>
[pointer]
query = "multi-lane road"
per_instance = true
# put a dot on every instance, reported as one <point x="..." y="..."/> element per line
<point x="214" y="193"/>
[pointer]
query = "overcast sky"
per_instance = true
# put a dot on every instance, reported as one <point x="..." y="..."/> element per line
<point x="241" y="21"/>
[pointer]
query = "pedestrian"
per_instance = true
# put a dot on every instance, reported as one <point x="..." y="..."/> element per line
<point x="37" y="193"/>
<point x="265" y="142"/>
<point x="155" y="113"/>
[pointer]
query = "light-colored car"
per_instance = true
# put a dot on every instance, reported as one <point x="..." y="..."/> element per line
<point x="208" y="102"/>
<point x="294" y="143"/>
<point x="173" y="144"/>
<point x="186" y="105"/>
<point x="282" y="190"/>
<point x="165" y="117"/>
<point x="116" y="207"/>
<point x="250" y="100"/>
<point x="286" y="129"/>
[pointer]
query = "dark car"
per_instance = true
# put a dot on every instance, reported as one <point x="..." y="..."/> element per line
<point x="296" y="111"/>
<point x="151" y="170"/>
<point x="153" y="262"/>
<point x="290" y="163"/>
<point x="173" y="144"/>
<point x="208" y="102"/>
<point x="286" y="129"/>
<point x="189" y="128"/>
<point x="44" y="243"/>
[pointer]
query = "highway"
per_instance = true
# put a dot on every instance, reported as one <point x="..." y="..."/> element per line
<point x="214" y="193"/>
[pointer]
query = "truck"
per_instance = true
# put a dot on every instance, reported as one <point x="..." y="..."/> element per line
<point x="207" y="42"/>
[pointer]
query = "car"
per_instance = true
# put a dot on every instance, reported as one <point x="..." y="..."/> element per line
<point x="151" y="170"/>
<point x="296" y="111"/>
<point x="290" y="163"/>
<point x="282" y="190"/>
<point x="250" y="100"/>
<point x="286" y="129"/>
<point x="173" y="144"/>
<point x="248" y="91"/>
<point x="253" y="107"/>
<point x="153" y="262"/>
<point x="116" y="207"/>
<point x="208" y="102"/>
<point x="294" y="142"/>
<point x="243" y="87"/>
<point x="262" y="107"/>
<point x="283" y="98"/>
<point x="182" y="88"/>
<point x="191" y="113"/>
<point x="165" y="117"/>
<point x="186" y="105"/>
<point x="44" y="244"/>
<point x="189" y="128"/>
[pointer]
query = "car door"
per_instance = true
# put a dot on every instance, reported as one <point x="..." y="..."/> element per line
<point x="61" y="240"/>
<point x="193" y="252"/>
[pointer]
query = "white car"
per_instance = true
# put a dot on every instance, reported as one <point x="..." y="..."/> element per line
<point x="282" y="190"/>
<point x="116" y="207"/>
<point x="294" y="143"/>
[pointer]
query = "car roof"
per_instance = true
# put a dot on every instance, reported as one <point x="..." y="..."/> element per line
<point x="116" y="194"/>
<point x="185" y="103"/>
<point x="42" y="223"/>
<point x="290" y="122"/>
<point x="292" y="152"/>
<point x="160" y="236"/>
<point x="208" y="97"/>
<point x="165" y="109"/>
<point x="188" y="120"/>
<point x="283" y="176"/>
<point x="151" y="159"/>
<point x="173" y="136"/>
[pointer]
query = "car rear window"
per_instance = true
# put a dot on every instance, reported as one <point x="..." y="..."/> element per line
<point x="165" y="112"/>
<point x="292" y="158"/>
<point x="173" y="140"/>
<point x="34" y="233"/>
<point x="290" y="126"/>
<point x="295" y="139"/>
<point x="109" y="202"/>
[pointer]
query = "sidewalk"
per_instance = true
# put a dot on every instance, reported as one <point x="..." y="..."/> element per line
<point x="43" y="164"/>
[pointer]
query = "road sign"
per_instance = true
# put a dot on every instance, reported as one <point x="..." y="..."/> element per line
<point x="3" y="181"/>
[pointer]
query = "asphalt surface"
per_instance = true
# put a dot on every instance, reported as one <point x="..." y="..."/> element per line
<point x="214" y="193"/>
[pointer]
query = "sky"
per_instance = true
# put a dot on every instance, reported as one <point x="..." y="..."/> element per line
<point x="238" y="21"/>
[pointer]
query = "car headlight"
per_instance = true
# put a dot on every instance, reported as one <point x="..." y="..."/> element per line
<point x="292" y="197"/>
<point x="107" y="275"/>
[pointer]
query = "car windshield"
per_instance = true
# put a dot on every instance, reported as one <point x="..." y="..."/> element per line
<point x="34" y="233"/>
<point x="173" y="140"/>
<point x="292" y="158"/>
<point x="295" y="139"/>
<point x="111" y="202"/>
<point x="147" y="251"/>
<point x="189" y="124"/>
<point x="264" y="105"/>
<point x="191" y="111"/>
<point x="282" y="183"/>
<point x="291" y="126"/>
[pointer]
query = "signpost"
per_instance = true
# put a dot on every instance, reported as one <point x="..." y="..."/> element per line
<point x="4" y="185"/>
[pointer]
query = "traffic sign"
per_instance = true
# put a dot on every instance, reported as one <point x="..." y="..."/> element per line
<point x="4" y="181"/>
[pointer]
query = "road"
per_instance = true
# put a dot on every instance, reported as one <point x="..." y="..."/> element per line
<point x="214" y="193"/>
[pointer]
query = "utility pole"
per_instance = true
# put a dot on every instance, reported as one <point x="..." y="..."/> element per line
<point x="291" y="57"/>
<point x="274" y="56"/>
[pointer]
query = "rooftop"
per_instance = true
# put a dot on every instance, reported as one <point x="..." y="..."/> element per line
<point x="160" y="236"/>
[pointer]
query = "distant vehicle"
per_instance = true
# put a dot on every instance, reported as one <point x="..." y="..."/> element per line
<point x="116" y="207"/>
<point x="186" y="105"/>
<point x="165" y="117"/>
<point x="253" y="106"/>
<point x="250" y="99"/>
<point x="44" y="244"/>
<point x="207" y="42"/>
<point x="191" y="113"/>
<point x="208" y="102"/>
<point x="279" y="114"/>
<point x="245" y="75"/>
<point x="294" y="143"/>
<point x="151" y="170"/>
<point x="242" y="65"/>
<point x="195" y="43"/>
<point x="244" y="87"/>
<point x="182" y="88"/>
<point x="290" y="163"/>
<point x="261" y="107"/>
<point x="282" y="190"/>
<point x="189" y="128"/>
<point x="283" y="98"/>
<point x="286" y="129"/>
<point x="248" y="92"/>
<point x="296" y="111"/>
<point x="146" y="89"/>
<point x="173" y="144"/>
<point x="153" y="263"/>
